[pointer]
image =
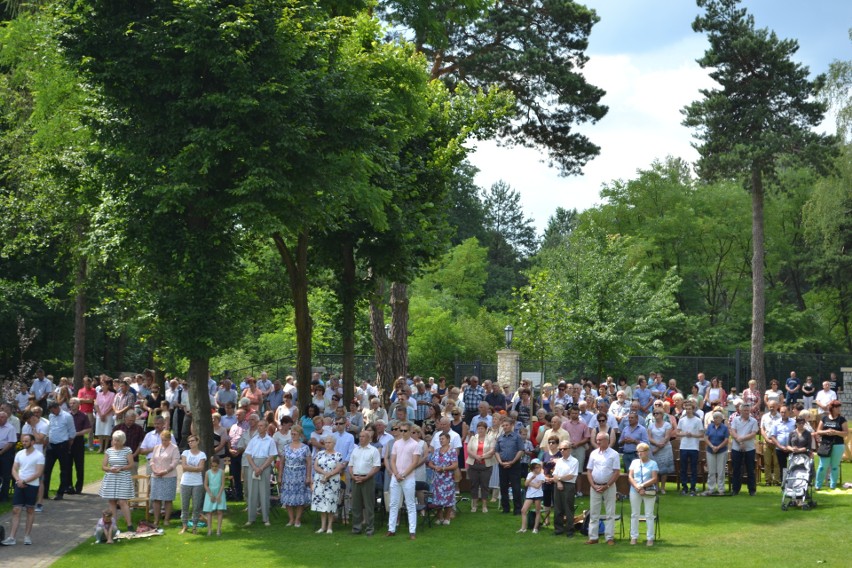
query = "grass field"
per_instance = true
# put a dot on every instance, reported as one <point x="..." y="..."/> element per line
<point x="729" y="531"/>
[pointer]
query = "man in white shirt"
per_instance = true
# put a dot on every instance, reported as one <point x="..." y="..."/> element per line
<point x="603" y="471"/>
<point x="564" y="480"/>
<point x="743" y="429"/>
<point x="770" y="458"/>
<point x="444" y="426"/>
<point x="259" y="455"/>
<point x="825" y="397"/>
<point x="28" y="468"/>
<point x="690" y="430"/>
<point x="364" y="464"/>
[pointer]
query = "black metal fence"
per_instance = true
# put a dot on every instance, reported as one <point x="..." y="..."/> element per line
<point x="485" y="371"/>
<point x="733" y="370"/>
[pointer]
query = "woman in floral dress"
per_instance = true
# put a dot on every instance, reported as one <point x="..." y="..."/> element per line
<point x="327" y="467"/>
<point x="444" y="461"/>
<point x="296" y="477"/>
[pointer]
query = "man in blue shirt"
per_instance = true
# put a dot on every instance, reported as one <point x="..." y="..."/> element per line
<point x="631" y="436"/>
<point x="643" y="396"/>
<point x="60" y="437"/>
<point x="509" y="450"/>
<point x="41" y="389"/>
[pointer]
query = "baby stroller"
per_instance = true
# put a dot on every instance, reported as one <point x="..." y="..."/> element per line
<point x="797" y="487"/>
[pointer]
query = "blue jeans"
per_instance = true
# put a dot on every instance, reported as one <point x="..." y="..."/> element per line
<point x="627" y="459"/>
<point x="688" y="460"/>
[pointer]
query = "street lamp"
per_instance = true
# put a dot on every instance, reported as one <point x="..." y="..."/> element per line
<point x="508" y="332"/>
<point x="387" y="330"/>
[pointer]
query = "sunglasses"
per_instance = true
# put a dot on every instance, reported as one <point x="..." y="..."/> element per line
<point x="394" y="429"/>
<point x="551" y="441"/>
<point x="339" y="423"/>
<point x="403" y="431"/>
<point x="601" y="419"/>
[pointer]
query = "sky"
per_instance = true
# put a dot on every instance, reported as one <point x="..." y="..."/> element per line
<point x="643" y="53"/>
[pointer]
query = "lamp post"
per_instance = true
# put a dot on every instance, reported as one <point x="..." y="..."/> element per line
<point x="508" y="332"/>
<point x="387" y="330"/>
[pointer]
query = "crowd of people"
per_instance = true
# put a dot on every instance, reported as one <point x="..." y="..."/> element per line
<point x="526" y="451"/>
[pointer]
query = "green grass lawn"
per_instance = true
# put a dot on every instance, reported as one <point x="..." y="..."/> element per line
<point x="728" y="531"/>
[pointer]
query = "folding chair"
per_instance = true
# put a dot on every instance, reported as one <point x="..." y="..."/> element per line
<point x="643" y="519"/>
<point x="143" y="495"/>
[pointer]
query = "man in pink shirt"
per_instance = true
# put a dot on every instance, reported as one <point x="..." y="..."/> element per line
<point x="580" y="436"/>
<point x="405" y="456"/>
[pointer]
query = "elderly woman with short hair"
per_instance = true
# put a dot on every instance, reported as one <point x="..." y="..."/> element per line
<point x="117" y="484"/>
<point x="716" y="437"/>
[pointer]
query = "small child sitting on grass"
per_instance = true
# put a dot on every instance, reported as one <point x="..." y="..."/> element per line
<point x="106" y="529"/>
<point x="535" y="494"/>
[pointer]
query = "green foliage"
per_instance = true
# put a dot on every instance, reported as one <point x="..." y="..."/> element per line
<point x="590" y="303"/>
<point x="765" y="105"/>
<point x="837" y="93"/>
<point x="447" y="320"/>
<point x="535" y="50"/>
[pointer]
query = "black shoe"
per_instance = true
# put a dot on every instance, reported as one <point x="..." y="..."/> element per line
<point x="517" y="513"/>
<point x="58" y="497"/>
<point x="558" y="533"/>
<point x="505" y="512"/>
<point x="570" y="534"/>
<point x="71" y="491"/>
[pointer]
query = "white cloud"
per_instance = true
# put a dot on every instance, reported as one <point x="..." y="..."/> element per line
<point x="645" y="93"/>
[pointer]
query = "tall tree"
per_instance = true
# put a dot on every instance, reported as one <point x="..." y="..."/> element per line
<point x="534" y="49"/>
<point x="511" y="239"/>
<point x="763" y="109"/>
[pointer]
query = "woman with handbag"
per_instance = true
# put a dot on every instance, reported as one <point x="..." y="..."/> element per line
<point x="832" y="432"/>
<point x="643" y="492"/>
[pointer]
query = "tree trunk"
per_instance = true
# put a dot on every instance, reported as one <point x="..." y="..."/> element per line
<point x="199" y="403"/>
<point x="382" y="344"/>
<point x="297" y="271"/>
<point x="348" y="298"/>
<point x="399" y="328"/>
<point x="80" y="323"/>
<point x="758" y="303"/>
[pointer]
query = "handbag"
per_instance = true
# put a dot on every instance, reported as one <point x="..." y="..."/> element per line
<point x="824" y="448"/>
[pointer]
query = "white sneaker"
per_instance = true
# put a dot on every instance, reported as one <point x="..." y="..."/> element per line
<point x="10" y="541"/>
<point x="27" y="540"/>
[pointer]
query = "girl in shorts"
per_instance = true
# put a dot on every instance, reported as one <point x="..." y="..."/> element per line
<point x="535" y="494"/>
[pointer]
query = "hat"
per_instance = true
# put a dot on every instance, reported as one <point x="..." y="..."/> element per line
<point x="535" y="461"/>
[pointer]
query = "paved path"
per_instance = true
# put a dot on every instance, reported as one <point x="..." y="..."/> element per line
<point x="62" y="526"/>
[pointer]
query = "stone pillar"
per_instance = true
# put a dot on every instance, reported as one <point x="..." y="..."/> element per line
<point x="508" y="370"/>
<point x="846" y="401"/>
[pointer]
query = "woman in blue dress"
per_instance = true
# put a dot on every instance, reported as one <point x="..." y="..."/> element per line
<point x="296" y="480"/>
